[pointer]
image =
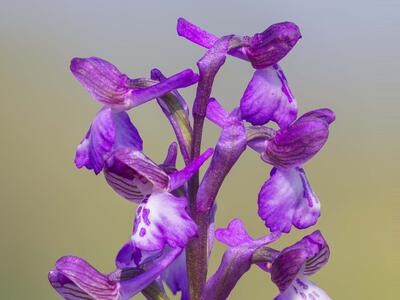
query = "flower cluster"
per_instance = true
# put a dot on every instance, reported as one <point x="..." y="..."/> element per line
<point x="173" y="230"/>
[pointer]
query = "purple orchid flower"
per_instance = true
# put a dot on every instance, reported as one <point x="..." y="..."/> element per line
<point x="110" y="87"/>
<point x="268" y="96"/>
<point x="291" y="268"/>
<point x="173" y="230"/>
<point x="286" y="198"/>
<point x="73" y="278"/>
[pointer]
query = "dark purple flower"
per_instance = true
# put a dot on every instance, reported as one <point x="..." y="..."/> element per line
<point x="108" y="132"/>
<point x="109" y="86"/>
<point x="298" y="143"/>
<point x="294" y="264"/>
<point x="73" y="278"/>
<point x="268" y="98"/>
<point x="161" y="216"/>
<point x="263" y="50"/>
<point x="270" y="46"/>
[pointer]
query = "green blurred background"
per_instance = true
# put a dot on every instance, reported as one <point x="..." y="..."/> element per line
<point x="348" y="60"/>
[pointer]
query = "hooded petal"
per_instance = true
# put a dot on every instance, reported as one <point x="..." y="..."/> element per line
<point x="75" y="271"/>
<point x="298" y="143"/>
<point x="303" y="289"/>
<point x="108" y="132"/>
<point x="162" y="219"/>
<point x="270" y="46"/>
<point x="133" y="175"/>
<point x="287" y="199"/>
<point x="301" y="259"/>
<point x="67" y="288"/>
<point x="268" y="98"/>
<point x="110" y="87"/>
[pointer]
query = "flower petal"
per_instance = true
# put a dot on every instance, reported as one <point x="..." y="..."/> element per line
<point x="268" y="98"/>
<point x="270" y="46"/>
<point x="179" y="178"/>
<point x="88" y="279"/>
<point x="110" y="87"/>
<point x="298" y="143"/>
<point x="175" y="276"/>
<point x="162" y="219"/>
<point x="67" y="288"/>
<point x="103" y="80"/>
<point x="216" y="113"/>
<point x="133" y="176"/>
<point x="303" y="258"/>
<point x="287" y="199"/>
<point x="108" y="132"/>
<point x="303" y="289"/>
<point x="234" y="235"/>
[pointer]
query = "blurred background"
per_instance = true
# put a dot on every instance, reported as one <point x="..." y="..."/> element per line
<point x="348" y="60"/>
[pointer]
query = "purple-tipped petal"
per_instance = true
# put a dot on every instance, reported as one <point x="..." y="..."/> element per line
<point x="301" y="259"/>
<point x="270" y="46"/>
<point x="231" y="144"/>
<point x="287" y="199"/>
<point x="180" y="80"/>
<point x="133" y="175"/>
<point x="216" y="113"/>
<point x="323" y="113"/>
<point x="109" y="86"/>
<point x="87" y="278"/>
<point x="108" y="132"/>
<point x="234" y="235"/>
<point x="103" y="80"/>
<point x="179" y="178"/>
<point x="67" y="288"/>
<point x="268" y="98"/>
<point x="162" y="219"/>
<point x="175" y="276"/>
<point x="296" y="144"/>
<point x="302" y="289"/>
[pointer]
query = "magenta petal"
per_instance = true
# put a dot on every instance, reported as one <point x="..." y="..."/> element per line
<point x="234" y="235"/>
<point x="179" y="178"/>
<point x="66" y="287"/>
<point x="287" y="199"/>
<point x="133" y="175"/>
<point x="162" y="219"/>
<point x="108" y="132"/>
<point x="88" y="279"/>
<point x="301" y="259"/>
<point x="270" y="46"/>
<point x="268" y="98"/>
<point x="103" y="80"/>
<point x="298" y="143"/>
<point x="175" y="276"/>
<point x="180" y="80"/>
<point x="216" y="113"/>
